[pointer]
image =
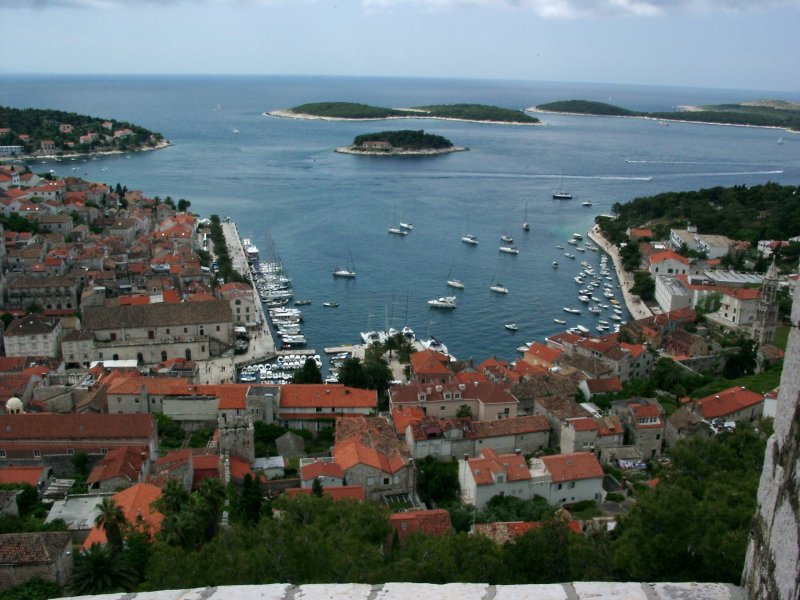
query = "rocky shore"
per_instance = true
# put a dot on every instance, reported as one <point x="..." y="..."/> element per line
<point x="30" y="157"/>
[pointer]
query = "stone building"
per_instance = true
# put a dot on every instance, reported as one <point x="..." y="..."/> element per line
<point x="33" y="335"/>
<point x="47" y="555"/>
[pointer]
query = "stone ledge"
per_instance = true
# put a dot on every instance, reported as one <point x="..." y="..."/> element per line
<point x="581" y="590"/>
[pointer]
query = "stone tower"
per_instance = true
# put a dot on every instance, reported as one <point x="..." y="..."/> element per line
<point x="767" y="308"/>
<point x="237" y="438"/>
<point x="772" y="566"/>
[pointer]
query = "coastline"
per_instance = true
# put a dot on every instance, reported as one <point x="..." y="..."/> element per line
<point x="287" y="114"/>
<point x="165" y="143"/>
<point x="634" y="304"/>
<point x="432" y="152"/>
<point x="534" y="109"/>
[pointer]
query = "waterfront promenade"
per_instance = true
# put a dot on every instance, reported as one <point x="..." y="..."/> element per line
<point x="636" y="307"/>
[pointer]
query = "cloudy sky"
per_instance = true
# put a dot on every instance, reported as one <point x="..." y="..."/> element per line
<point x="737" y="44"/>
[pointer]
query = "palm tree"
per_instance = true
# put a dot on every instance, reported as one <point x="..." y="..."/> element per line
<point x="102" y="570"/>
<point x="111" y="519"/>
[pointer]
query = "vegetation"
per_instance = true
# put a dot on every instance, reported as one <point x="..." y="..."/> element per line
<point x="763" y="115"/>
<point x="225" y="268"/>
<point x="43" y="124"/>
<point x="466" y="112"/>
<point x="33" y="589"/>
<point x="406" y="139"/>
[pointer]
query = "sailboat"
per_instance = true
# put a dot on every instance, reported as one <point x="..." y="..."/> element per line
<point x="452" y="281"/>
<point x="346" y="272"/>
<point x="401" y="231"/>
<point x="525" y="225"/>
<point x="560" y="194"/>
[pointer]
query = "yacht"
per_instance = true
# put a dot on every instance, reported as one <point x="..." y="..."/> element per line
<point x="406" y="226"/>
<point x="435" y="345"/>
<point x="499" y="288"/>
<point x="507" y="239"/>
<point x="584" y="298"/>
<point x="586" y="203"/>
<point x="470" y="239"/>
<point x="577" y="236"/>
<point x="560" y="321"/>
<point x="446" y="302"/>
<point x="582" y="329"/>
<point x="330" y="304"/>
<point x="344" y="272"/>
<point x="511" y="326"/>
<point x="509" y="249"/>
<point x="398" y="231"/>
<point x="572" y="311"/>
<point x="562" y="196"/>
<point x="456" y="283"/>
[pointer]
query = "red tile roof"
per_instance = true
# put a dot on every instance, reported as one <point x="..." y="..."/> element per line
<point x="543" y="353"/>
<point x="29" y="475"/>
<point x="572" y="467"/>
<point x="431" y="522"/>
<point x="136" y="504"/>
<point x="745" y="293"/>
<point x="321" y="469"/>
<point x="405" y="416"/>
<point x="490" y="464"/>
<point x="604" y="386"/>
<point x="430" y="362"/>
<point x="728" y="401"/>
<point x="71" y="426"/>
<point x="582" y="424"/>
<point x="667" y="255"/>
<point x="124" y="462"/>
<point x="350" y="453"/>
<point x="298" y="395"/>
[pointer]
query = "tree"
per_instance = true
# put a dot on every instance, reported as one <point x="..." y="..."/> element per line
<point x="351" y="373"/>
<point x="437" y="482"/>
<point x="35" y="588"/>
<point x="102" y="570"/>
<point x="183" y="205"/>
<point x="316" y="488"/>
<point x="33" y="307"/>
<point x="464" y="411"/>
<point x="643" y="285"/>
<point x="111" y="519"/>
<point x="309" y="373"/>
<point x="743" y="362"/>
<point x="6" y="318"/>
<point x="249" y="505"/>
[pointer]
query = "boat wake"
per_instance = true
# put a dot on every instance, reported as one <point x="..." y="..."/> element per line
<point x="489" y="175"/>
<point x="721" y="174"/>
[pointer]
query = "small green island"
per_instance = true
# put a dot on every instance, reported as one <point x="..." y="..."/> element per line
<point x="405" y="142"/>
<point x="755" y="113"/>
<point x="479" y="113"/>
<point x="34" y="133"/>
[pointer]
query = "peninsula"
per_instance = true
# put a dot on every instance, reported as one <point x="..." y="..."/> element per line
<point x="756" y="113"/>
<point x="36" y="133"/>
<point x="405" y="142"/>
<point x="350" y="111"/>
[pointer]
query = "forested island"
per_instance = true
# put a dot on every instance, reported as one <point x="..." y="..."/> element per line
<point x="758" y="113"/>
<point x="401" y="142"/>
<point x="481" y="113"/>
<point x="32" y="132"/>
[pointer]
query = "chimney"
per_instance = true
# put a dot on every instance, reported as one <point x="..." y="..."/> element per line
<point x="466" y="457"/>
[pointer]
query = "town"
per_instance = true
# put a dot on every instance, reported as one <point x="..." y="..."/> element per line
<point x="130" y="325"/>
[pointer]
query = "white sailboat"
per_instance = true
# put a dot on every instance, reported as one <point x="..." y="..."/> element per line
<point x="348" y="272"/>
<point x="525" y="225"/>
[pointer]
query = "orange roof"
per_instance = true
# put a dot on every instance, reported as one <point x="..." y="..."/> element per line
<point x="431" y="522"/>
<point x="603" y="386"/>
<point x="542" y="352"/>
<point x="21" y="428"/>
<point x="636" y="350"/>
<point x="351" y="452"/>
<point x="745" y="293"/>
<point x="727" y="402"/>
<point x="342" y="492"/>
<point x="320" y="468"/>
<point x="430" y="361"/>
<point x="405" y="416"/>
<point x="490" y="464"/>
<point x="582" y="424"/>
<point x="135" y="503"/>
<point x="124" y="461"/>
<point x="667" y="255"/>
<point x="29" y="475"/>
<point x="313" y="395"/>
<point x="571" y="467"/>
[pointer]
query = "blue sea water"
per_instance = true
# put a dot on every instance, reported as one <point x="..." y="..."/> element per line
<point x="280" y="180"/>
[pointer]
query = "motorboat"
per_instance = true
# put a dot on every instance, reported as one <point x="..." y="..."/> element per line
<point x="560" y="321"/>
<point x="584" y="298"/>
<point x="398" y="231"/>
<point x="577" y="236"/>
<point x="572" y="311"/>
<point x="303" y="302"/>
<point x="408" y="333"/>
<point x="499" y="288"/>
<point x="595" y="310"/>
<point x="511" y="326"/>
<point x="586" y="203"/>
<point x="456" y="283"/>
<point x="406" y="226"/>
<point x="568" y="255"/>
<point x="582" y="329"/>
<point x="330" y="304"/>
<point x="509" y="249"/>
<point x="573" y="242"/>
<point x="470" y="239"/>
<point x="507" y="239"/>
<point x="555" y="264"/>
<point x="559" y="246"/>
<point x="562" y="196"/>
<point x="446" y="302"/>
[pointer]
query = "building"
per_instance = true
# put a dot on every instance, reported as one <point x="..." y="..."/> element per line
<point x="153" y="333"/>
<point x="50" y="293"/>
<point x="434" y="522"/>
<point x="136" y="504"/>
<point x="767" y="308"/>
<point x="314" y="406"/>
<point x="484" y="400"/>
<point x="667" y="263"/>
<point x="33" y="335"/>
<point x="121" y="467"/>
<point x="51" y="438"/>
<point x="23" y="556"/>
<point x="733" y="404"/>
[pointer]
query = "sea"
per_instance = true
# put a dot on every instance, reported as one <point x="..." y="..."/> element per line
<point x="300" y="202"/>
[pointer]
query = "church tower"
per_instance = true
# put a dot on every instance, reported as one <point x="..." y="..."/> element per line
<point x="767" y="308"/>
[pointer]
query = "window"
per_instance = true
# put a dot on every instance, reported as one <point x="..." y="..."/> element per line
<point x="2" y="453"/>
<point x="571" y="484"/>
<point x="185" y="330"/>
<point x="560" y="485"/>
<point x="217" y="327"/>
<point x="386" y="481"/>
<point x="103" y="450"/>
<point x="319" y="409"/>
<point x="70" y="451"/>
<point x="37" y="453"/>
<point x="441" y="407"/>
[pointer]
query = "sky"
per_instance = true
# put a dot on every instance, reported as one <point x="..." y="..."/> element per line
<point x="732" y="44"/>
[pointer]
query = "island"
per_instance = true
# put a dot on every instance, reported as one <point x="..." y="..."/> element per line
<point x="404" y="142"/>
<point x="341" y="111"/>
<point x="756" y="113"/>
<point x="36" y="133"/>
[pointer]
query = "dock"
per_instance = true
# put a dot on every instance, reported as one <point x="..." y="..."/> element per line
<point x="339" y="349"/>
